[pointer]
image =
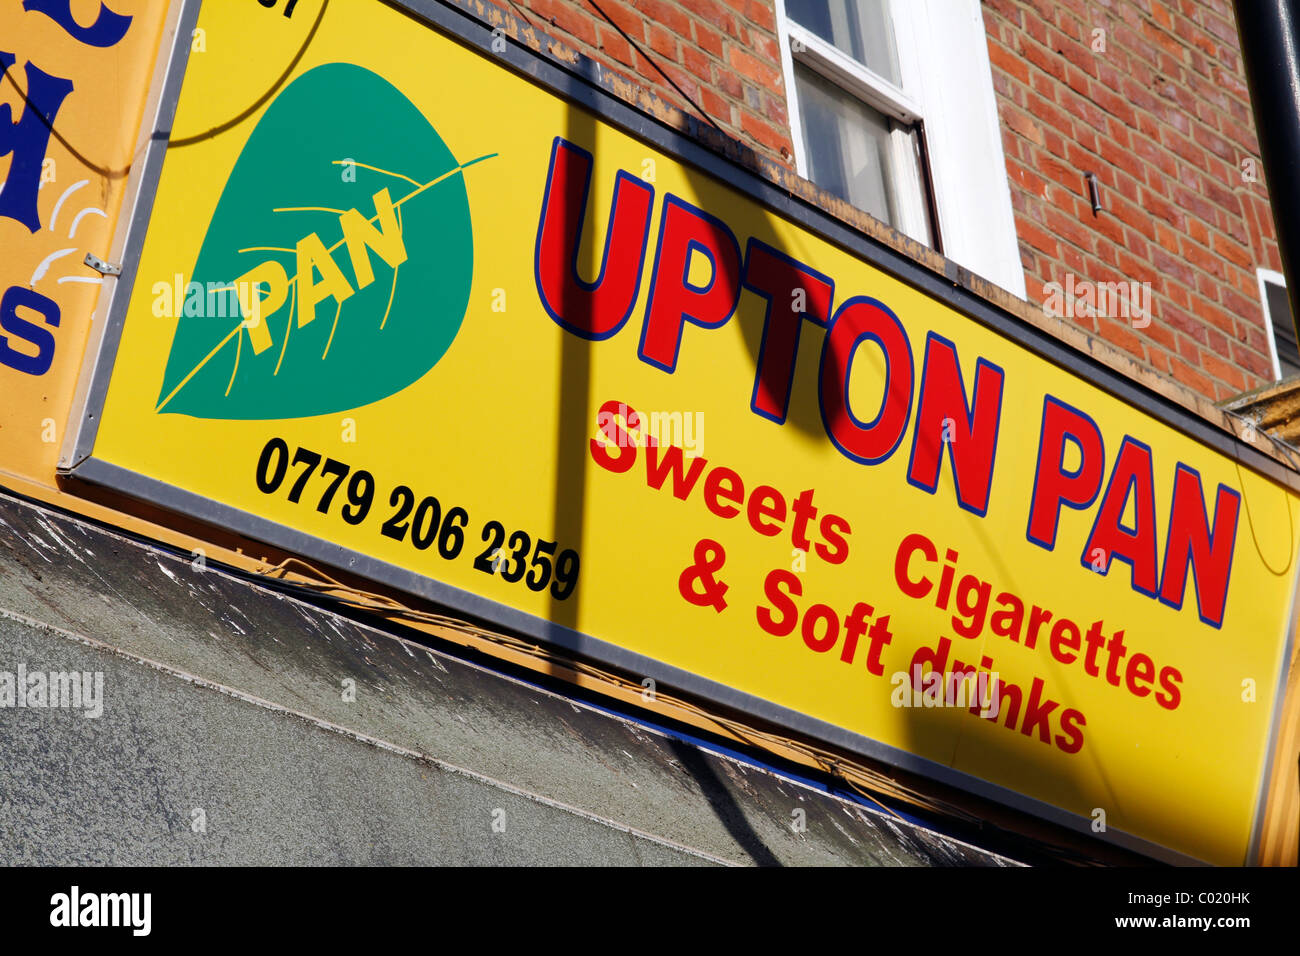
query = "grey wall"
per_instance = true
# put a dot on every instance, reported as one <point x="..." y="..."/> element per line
<point x="224" y="704"/>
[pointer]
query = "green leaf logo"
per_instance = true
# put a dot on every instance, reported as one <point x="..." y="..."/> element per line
<point x="336" y="270"/>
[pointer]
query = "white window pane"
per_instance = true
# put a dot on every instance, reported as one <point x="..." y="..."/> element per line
<point x="847" y="144"/>
<point x="859" y="28"/>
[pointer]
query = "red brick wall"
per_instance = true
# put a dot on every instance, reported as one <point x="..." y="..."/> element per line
<point x="1160" y="115"/>
<point x="1163" y="119"/>
<point x="722" y="53"/>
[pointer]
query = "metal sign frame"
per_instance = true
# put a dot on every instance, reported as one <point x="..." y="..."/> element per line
<point x="580" y="85"/>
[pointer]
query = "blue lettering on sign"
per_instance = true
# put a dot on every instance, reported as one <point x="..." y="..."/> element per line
<point x="19" y="327"/>
<point x="107" y="30"/>
<point x="27" y="139"/>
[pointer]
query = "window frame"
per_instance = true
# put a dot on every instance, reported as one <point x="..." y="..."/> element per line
<point x="957" y="186"/>
<point x="1264" y="277"/>
<point x="910" y="188"/>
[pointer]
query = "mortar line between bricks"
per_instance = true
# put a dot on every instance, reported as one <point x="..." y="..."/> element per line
<point x="375" y="742"/>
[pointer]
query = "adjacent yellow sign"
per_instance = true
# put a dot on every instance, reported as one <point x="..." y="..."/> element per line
<point x="426" y="315"/>
<point x="71" y="100"/>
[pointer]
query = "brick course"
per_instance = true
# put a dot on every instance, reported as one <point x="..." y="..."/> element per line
<point x="723" y="54"/>
<point x="1155" y="105"/>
